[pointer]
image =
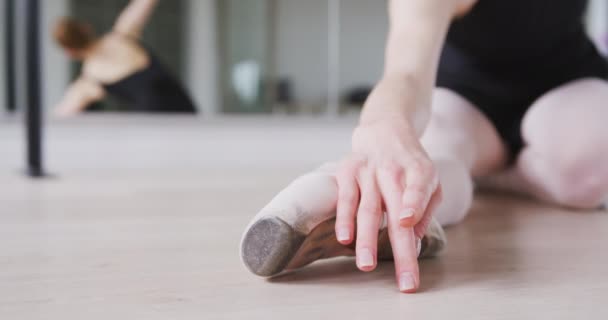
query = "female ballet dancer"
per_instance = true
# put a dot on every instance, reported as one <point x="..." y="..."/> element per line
<point x="510" y="92"/>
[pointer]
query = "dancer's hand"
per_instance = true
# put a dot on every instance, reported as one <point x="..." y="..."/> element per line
<point x="387" y="171"/>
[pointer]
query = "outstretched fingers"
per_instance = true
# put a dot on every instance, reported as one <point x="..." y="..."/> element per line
<point x="403" y="240"/>
<point x="368" y="221"/>
<point x="421" y="182"/>
<point x="348" y="201"/>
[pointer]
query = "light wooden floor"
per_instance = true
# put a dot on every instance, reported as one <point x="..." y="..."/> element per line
<point x="143" y="217"/>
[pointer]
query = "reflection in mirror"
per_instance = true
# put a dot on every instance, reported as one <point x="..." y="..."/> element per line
<point x="258" y="56"/>
<point x="126" y="52"/>
<point x="245" y="31"/>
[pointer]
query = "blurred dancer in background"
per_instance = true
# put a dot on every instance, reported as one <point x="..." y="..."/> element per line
<point x="118" y="64"/>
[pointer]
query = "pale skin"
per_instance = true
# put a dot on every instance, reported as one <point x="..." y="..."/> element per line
<point x="388" y="168"/>
<point x="411" y="133"/>
<point x="108" y="59"/>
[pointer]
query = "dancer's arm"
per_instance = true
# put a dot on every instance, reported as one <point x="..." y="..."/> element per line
<point x="416" y="36"/>
<point x="78" y="97"/>
<point x="389" y="168"/>
<point x="134" y="17"/>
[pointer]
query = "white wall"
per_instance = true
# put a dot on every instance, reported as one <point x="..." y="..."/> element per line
<point x="363" y="36"/>
<point x="301" y="48"/>
<point x="202" y="55"/>
<point x="302" y="45"/>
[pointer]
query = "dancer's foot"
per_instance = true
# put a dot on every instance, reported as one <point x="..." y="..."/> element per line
<point x="297" y="228"/>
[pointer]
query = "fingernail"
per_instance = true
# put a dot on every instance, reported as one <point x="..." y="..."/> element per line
<point x="366" y="259"/>
<point x="343" y="234"/>
<point x="406" y="282"/>
<point x="418" y="245"/>
<point x="408" y="213"/>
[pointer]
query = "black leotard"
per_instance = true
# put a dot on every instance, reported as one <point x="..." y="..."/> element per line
<point x="152" y="89"/>
<point x="505" y="54"/>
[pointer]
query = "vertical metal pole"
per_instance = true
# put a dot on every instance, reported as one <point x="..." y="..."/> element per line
<point x="9" y="49"/>
<point x="333" y="105"/>
<point x="33" y="108"/>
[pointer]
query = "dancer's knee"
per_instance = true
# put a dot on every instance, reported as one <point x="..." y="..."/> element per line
<point x="578" y="182"/>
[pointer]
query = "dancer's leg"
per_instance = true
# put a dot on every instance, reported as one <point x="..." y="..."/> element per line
<point x="565" y="160"/>
<point x="297" y="226"/>
<point x="463" y="143"/>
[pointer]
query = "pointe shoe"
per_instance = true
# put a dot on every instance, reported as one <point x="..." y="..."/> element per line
<point x="297" y="228"/>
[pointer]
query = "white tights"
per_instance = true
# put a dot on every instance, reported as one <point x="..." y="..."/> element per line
<point x="564" y="161"/>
